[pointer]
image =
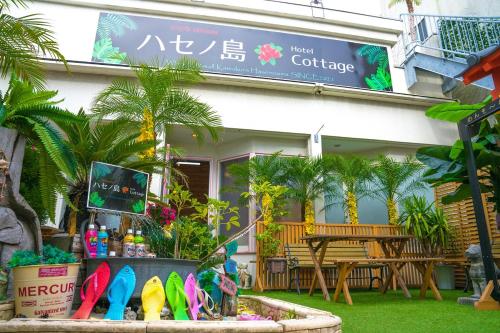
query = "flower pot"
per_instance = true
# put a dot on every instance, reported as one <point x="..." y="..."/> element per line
<point x="445" y="276"/>
<point x="276" y="265"/>
<point x="45" y="290"/>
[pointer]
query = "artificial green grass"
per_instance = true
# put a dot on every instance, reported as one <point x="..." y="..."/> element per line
<point x="373" y="312"/>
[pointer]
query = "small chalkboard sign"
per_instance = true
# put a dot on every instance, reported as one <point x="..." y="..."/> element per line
<point x="117" y="189"/>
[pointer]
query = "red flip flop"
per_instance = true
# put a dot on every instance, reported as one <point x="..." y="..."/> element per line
<point x="97" y="283"/>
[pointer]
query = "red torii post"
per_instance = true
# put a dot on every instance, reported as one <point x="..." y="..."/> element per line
<point x="484" y="64"/>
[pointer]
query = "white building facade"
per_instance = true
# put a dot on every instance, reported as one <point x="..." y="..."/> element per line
<point x="263" y="113"/>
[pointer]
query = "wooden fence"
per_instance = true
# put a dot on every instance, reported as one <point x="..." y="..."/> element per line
<point x="463" y="224"/>
<point x="293" y="231"/>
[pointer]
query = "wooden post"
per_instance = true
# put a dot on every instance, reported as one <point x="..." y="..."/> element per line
<point x="486" y="302"/>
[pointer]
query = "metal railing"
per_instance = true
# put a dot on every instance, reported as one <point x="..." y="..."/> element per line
<point x="450" y="37"/>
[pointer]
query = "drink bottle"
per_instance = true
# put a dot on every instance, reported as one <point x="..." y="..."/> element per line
<point x="128" y="245"/>
<point x="140" y="247"/>
<point x="102" y="243"/>
<point x="91" y="240"/>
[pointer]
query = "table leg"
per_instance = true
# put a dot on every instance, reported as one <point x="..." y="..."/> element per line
<point x="317" y="267"/>
<point x="321" y="258"/>
<point x="345" y="270"/>
<point x="427" y="281"/>
<point x="395" y="270"/>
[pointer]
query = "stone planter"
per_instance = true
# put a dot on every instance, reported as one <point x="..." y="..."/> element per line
<point x="276" y="265"/>
<point x="307" y="320"/>
<point x="6" y="310"/>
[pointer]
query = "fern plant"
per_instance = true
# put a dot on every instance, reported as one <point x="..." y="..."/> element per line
<point x="35" y="115"/>
<point x="381" y="80"/>
<point x="114" y="25"/>
<point x="374" y="55"/>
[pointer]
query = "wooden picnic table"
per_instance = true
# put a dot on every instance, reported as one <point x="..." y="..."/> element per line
<point x="392" y="247"/>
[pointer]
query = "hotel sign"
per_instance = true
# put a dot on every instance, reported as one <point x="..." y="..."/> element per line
<point x="233" y="50"/>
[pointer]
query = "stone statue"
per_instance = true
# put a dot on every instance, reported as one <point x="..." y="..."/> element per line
<point x="19" y="224"/>
<point x="244" y="277"/>
<point x="476" y="271"/>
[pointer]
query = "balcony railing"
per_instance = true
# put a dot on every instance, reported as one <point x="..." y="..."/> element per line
<point x="450" y="37"/>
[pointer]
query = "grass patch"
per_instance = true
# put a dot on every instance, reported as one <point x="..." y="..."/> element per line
<point x="392" y="312"/>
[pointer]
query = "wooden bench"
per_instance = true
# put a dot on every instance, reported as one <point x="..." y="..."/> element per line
<point x="495" y="250"/>
<point x="423" y="265"/>
<point x="298" y="256"/>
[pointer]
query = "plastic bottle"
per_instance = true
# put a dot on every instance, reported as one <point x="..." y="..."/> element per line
<point x="140" y="248"/>
<point x="129" y="245"/>
<point x="91" y="240"/>
<point x="102" y="243"/>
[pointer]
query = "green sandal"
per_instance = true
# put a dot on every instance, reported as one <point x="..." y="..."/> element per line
<point x="177" y="298"/>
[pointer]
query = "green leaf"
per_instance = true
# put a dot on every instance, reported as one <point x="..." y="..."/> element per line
<point x="272" y="61"/>
<point x="454" y="111"/>
<point x="96" y="200"/>
<point x="105" y="52"/>
<point x="100" y="170"/>
<point x="263" y="62"/>
<point x="138" y="206"/>
<point x="141" y="179"/>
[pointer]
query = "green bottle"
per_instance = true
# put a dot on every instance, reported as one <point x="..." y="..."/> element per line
<point x="140" y="248"/>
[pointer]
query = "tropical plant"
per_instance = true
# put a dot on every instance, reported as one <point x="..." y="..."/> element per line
<point x="22" y="40"/>
<point x="29" y="186"/>
<point x="34" y="114"/>
<point x="306" y="181"/>
<point x="214" y="213"/>
<point x="449" y="164"/>
<point x="270" y="200"/>
<point x="394" y="181"/>
<point x="350" y="176"/>
<point x="50" y="256"/>
<point x="113" y="142"/>
<point x="455" y="111"/>
<point x="217" y="213"/>
<point x="427" y="224"/>
<point x="158" y="100"/>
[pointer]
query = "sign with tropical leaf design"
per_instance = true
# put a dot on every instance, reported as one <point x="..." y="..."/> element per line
<point x="241" y="51"/>
<point x="117" y="189"/>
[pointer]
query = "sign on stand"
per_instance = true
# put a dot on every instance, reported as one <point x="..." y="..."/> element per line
<point x="117" y="189"/>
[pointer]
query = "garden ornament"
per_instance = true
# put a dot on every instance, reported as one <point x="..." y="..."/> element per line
<point x="244" y="276"/>
<point x="19" y="227"/>
<point x="4" y="171"/>
<point x="476" y="271"/>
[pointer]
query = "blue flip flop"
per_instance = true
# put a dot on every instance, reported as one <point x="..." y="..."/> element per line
<point x="119" y="293"/>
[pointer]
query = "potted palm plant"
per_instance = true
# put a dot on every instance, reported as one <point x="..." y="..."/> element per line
<point x="306" y="180"/>
<point x="394" y="181"/>
<point x="350" y="176"/>
<point x="430" y="227"/>
<point x="270" y="200"/>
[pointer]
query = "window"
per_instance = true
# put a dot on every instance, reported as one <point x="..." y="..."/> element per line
<point x="227" y="180"/>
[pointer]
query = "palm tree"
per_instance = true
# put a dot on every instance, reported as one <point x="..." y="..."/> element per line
<point x="34" y="114"/>
<point x="22" y="40"/>
<point x="159" y="100"/>
<point x="351" y="175"/>
<point x="258" y="169"/>
<point x="394" y="181"/>
<point x="306" y="180"/>
<point x="114" y="142"/>
<point x="410" y="4"/>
